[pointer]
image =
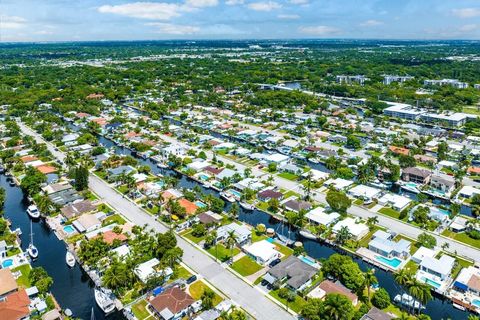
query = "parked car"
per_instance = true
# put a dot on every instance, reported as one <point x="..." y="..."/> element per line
<point x="192" y="279"/>
<point x="274" y="262"/>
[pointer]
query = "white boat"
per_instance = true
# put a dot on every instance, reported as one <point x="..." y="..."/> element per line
<point x="162" y="165"/>
<point x="70" y="259"/>
<point x="459" y="307"/>
<point x="247" y="206"/>
<point x="33" y="211"/>
<point x="32" y="250"/>
<point x="308" y="235"/>
<point x="104" y="300"/>
<point x="227" y="196"/>
<point x="313" y="160"/>
<point x="408" y="301"/>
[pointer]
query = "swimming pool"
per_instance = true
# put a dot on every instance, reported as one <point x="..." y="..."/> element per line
<point x="235" y="193"/>
<point x="271" y="240"/>
<point x="200" y="204"/>
<point x="308" y="261"/>
<point x="160" y="183"/>
<point x="476" y="303"/>
<point x="7" y="263"/>
<point x="432" y="283"/>
<point x="394" y="263"/>
<point x="68" y="229"/>
<point x="437" y="211"/>
<point x="203" y="177"/>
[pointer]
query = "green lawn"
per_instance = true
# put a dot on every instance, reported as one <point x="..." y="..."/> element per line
<point x="290" y="193"/>
<point x="286" y="251"/>
<point x="390" y="212"/>
<point x="140" y="310"/>
<point x="257" y="237"/>
<point x="116" y="218"/>
<point x="197" y="288"/>
<point x="296" y="305"/>
<point x="191" y="237"/>
<point x="288" y="176"/>
<point x="179" y="273"/>
<point x="358" y="202"/>
<point x="462" y="237"/>
<point x="123" y="189"/>
<point x="221" y="252"/>
<point x="245" y="266"/>
<point x="23" y="280"/>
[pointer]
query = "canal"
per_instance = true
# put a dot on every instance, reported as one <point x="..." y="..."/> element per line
<point x="71" y="287"/>
<point x="438" y="308"/>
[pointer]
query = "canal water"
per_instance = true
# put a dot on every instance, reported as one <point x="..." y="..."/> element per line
<point x="71" y="287"/>
<point x="438" y="308"/>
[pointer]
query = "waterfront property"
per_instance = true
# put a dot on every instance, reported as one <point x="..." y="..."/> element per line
<point x="172" y="304"/>
<point x="291" y="272"/>
<point x="357" y="229"/>
<point x="436" y="272"/>
<point x="328" y="287"/>
<point x="263" y="252"/>
<point x="466" y="287"/>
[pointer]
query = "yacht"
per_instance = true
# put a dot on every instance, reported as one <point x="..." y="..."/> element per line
<point x="104" y="300"/>
<point x="247" y="206"/>
<point x="70" y="259"/>
<point x="408" y="301"/>
<point x="227" y="196"/>
<point x="308" y="235"/>
<point x="32" y="250"/>
<point x="33" y="212"/>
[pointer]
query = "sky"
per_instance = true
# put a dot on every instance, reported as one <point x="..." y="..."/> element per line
<point x="85" y="20"/>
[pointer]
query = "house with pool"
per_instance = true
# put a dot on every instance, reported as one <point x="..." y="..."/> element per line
<point x="436" y="272"/>
<point x="383" y="250"/>
<point x="465" y="290"/>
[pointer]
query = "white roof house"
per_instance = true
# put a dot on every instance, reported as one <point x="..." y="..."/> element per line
<point x="364" y="192"/>
<point x="339" y="183"/>
<point x="468" y="191"/>
<point x="319" y="216"/>
<point x="291" y="143"/>
<point x="242" y="232"/>
<point x="276" y="158"/>
<point x="122" y="251"/>
<point x="423" y="253"/>
<point x="357" y="230"/>
<point x="262" y="251"/>
<point x="198" y="165"/>
<point x="438" y="267"/>
<point x="316" y="174"/>
<point x="147" y="269"/>
<point x="397" y="201"/>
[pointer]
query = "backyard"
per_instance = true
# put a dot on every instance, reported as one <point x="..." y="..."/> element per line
<point x="245" y="266"/>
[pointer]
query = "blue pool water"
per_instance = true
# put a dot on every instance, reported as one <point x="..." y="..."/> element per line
<point x="160" y="183"/>
<point x="432" y="283"/>
<point x="200" y="204"/>
<point x="476" y="303"/>
<point x="68" y="229"/>
<point x="308" y="260"/>
<point x="235" y="193"/>
<point x="203" y="177"/>
<point x="394" y="263"/>
<point x="271" y="240"/>
<point x="438" y="211"/>
<point x="7" y="263"/>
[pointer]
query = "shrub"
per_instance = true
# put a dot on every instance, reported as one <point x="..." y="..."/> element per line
<point x="381" y="298"/>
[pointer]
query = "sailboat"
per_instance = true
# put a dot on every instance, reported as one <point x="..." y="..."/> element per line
<point x="284" y="239"/>
<point x="32" y="250"/>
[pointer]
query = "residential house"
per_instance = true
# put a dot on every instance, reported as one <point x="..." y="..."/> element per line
<point x="297" y="205"/>
<point x="263" y="252"/>
<point x="8" y="284"/>
<point x="329" y="287"/>
<point x="377" y="314"/>
<point x="147" y="270"/>
<point x="190" y="207"/>
<point x="292" y="272"/>
<point x="319" y="216"/>
<point x="468" y="280"/>
<point x="383" y="244"/>
<point x="171" y="304"/>
<point x="441" y="267"/>
<point x="15" y="306"/>
<point x="357" y="230"/>
<point x="268" y="194"/>
<point x="77" y="208"/>
<point x="115" y="172"/>
<point x="87" y="223"/>
<point x="3" y="249"/>
<point x="242" y="233"/>
<point x="416" y="175"/>
<point x="443" y="183"/>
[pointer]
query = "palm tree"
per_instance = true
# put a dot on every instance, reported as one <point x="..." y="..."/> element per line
<point x="207" y="299"/>
<point x="343" y="235"/>
<point x="231" y="241"/>
<point x="404" y="278"/>
<point x="372" y="221"/>
<point x="369" y="280"/>
<point x="334" y="306"/>
<point x="225" y="182"/>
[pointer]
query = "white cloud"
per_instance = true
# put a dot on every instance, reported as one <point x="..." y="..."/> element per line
<point x="12" y="22"/>
<point x="144" y="10"/>
<point x="44" y="32"/>
<point x="288" y="16"/>
<point x="177" y="29"/>
<point x="371" y="23"/>
<point x="468" y="28"/>
<point x="234" y="2"/>
<point x="319" y="30"/>
<point x="201" y="3"/>
<point x="264" y="6"/>
<point x="299" y="1"/>
<point x="466" y="12"/>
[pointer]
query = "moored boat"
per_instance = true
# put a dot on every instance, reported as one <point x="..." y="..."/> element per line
<point x="308" y="235"/>
<point x="408" y="301"/>
<point x="33" y="211"/>
<point x="104" y="300"/>
<point x="70" y="259"/>
<point x="459" y="307"/>
<point x="247" y="206"/>
<point x="227" y="196"/>
<point x="32" y="250"/>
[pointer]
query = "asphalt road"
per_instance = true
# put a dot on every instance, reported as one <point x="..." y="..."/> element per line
<point x="249" y="298"/>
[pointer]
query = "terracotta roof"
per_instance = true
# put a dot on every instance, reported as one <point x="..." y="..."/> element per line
<point x="399" y="150"/>
<point x="46" y="169"/>
<point x="7" y="282"/>
<point x="95" y="96"/>
<point x="189" y="206"/>
<point x="167" y="195"/>
<point x="474" y="170"/>
<point x="15" y="306"/>
<point x="474" y="282"/>
<point x="331" y="287"/>
<point x="131" y="134"/>
<point x="82" y="115"/>
<point x="213" y="142"/>
<point x="26" y="159"/>
<point x="173" y="299"/>
<point x="110" y="236"/>
<point x="213" y="170"/>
